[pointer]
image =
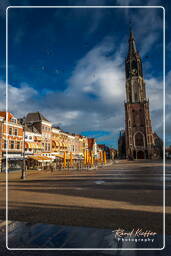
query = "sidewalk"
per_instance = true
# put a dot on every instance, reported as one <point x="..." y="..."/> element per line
<point x="16" y="175"/>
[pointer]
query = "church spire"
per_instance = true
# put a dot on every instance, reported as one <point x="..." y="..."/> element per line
<point x="133" y="63"/>
<point x="132" y="46"/>
<point x="138" y="132"/>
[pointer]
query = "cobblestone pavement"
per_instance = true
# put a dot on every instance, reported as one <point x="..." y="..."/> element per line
<point x="127" y="194"/>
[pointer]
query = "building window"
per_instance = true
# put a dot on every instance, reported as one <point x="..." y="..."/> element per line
<point x="48" y="147"/>
<point x="14" y="120"/>
<point x="45" y="146"/>
<point x="139" y="139"/>
<point x="12" y="144"/>
<point x="16" y="131"/>
<point x="5" y="144"/>
<point x="10" y="130"/>
<point x="18" y="145"/>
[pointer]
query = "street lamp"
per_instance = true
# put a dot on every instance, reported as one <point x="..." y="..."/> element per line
<point x="23" y="170"/>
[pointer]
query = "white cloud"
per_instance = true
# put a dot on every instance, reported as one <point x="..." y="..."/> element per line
<point x="94" y="98"/>
<point x="19" y="99"/>
<point x="155" y="91"/>
<point x="100" y="73"/>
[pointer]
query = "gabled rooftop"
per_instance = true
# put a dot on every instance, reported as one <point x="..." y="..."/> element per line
<point x="35" y="117"/>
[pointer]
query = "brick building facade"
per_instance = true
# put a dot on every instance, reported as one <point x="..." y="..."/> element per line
<point x="43" y="126"/>
<point x="138" y="128"/>
<point x="12" y="133"/>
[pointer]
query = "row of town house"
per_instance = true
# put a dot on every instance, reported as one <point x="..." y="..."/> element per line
<point x="36" y="138"/>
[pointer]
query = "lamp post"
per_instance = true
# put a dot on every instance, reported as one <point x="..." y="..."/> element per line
<point x="23" y="170"/>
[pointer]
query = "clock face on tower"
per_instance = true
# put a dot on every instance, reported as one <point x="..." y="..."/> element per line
<point x="133" y="67"/>
<point x="134" y="71"/>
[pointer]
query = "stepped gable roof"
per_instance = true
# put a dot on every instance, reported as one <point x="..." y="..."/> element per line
<point x="31" y="129"/>
<point x="36" y="117"/>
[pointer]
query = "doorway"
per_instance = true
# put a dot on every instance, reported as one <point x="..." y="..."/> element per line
<point x="140" y="155"/>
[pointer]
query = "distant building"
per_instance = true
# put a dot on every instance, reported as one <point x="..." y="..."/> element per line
<point x="113" y="153"/>
<point x="92" y="145"/>
<point x="158" y="146"/>
<point x="168" y="152"/>
<point x="1" y="140"/>
<point x="105" y="148"/>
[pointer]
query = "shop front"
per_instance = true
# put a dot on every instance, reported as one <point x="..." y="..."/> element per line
<point x="38" y="162"/>
<point x="14" y="162"/>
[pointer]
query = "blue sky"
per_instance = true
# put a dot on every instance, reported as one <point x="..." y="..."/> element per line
<point x="69" y="64"/>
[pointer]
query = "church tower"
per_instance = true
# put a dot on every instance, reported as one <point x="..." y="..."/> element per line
<point x="138" y="129"/>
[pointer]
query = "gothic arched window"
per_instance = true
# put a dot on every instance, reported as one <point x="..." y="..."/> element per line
<point x="139" y="140"/>
<point x="134" y="64"/>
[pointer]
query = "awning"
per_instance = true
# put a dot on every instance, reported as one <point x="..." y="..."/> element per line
<point x="67" y="157"/>
<point x="38" y="138"/>
<point x="62" y="144"/>
<point x="55" y="143"/>
<point x="39" y="145"/>
<point x="33" y="145"/>
<point x="40" y="158"/>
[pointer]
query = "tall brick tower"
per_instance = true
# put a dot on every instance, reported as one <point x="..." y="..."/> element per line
<point x="138" y="129"/>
